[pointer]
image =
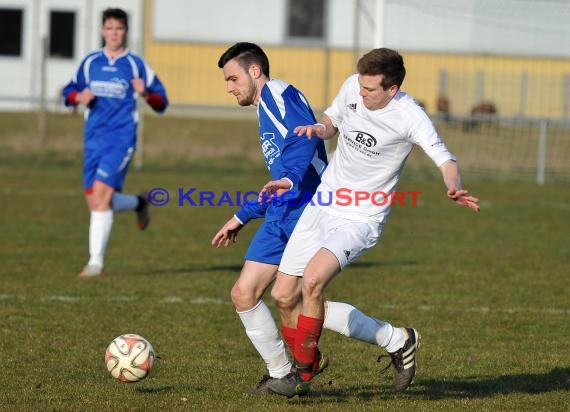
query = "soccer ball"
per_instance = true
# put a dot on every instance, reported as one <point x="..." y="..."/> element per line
<point x="129" y="357"/>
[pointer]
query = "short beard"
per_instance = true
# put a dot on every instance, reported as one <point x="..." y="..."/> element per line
<point x="246" y="102"/>
<point x="250" y="98"/>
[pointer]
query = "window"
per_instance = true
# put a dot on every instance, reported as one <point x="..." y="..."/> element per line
<point x="306" y="20"/>
<point x="11" y="32"/>
<point x="61" y="34"/>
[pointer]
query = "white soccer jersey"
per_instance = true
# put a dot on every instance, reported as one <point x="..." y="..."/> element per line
<point x="372" y="148"/>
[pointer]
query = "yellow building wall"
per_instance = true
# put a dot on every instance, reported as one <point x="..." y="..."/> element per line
<point x="190" y="73"/>
<point x="503" y="82"/>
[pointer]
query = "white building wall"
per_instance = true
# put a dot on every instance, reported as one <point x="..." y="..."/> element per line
<point x="219" y="21"/>
<point x="515" y="27"/>
<point x="17" y="76"/>
<point x="504" y="27"/>
<point x="263" y="22"/>
<point x="340" y="28"/>
<point x="21" y="86"/>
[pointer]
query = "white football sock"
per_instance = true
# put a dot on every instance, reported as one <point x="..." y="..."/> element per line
<point x="99" y="232"/>
<point x="349" y="321"/>
<point x="261" y="329"/>
<point x="122" y="202"/>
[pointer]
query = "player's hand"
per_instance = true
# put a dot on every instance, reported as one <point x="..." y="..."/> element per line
<point x="138" y="85"/>
<point x="227" y="234"/>
<point x="85" y="96"/>
<point x="273" y="188"/>
<point x="311" y="130"/>
<point x="461" y="198"/>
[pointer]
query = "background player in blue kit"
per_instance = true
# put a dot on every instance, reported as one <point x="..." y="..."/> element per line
<point x="108" y="81"/>
<point x="299" y="161"/>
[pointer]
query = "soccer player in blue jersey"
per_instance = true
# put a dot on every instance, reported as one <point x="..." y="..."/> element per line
<point x="108" y="82"/>
<point x="300" y="161"/>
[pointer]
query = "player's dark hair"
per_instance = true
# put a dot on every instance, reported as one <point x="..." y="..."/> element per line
<point x="383" y="61"/>
<point x="246" y="54"/>
<point x="117" y="14"/>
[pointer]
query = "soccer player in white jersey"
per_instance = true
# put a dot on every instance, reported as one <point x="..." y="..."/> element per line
<point x="108" y="82"/>
<point x="378" y="125"/>
<point x="281" y="108"/>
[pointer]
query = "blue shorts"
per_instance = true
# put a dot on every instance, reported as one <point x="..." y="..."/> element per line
<point x="108" y="164"/>
<point x="269" y="242"/>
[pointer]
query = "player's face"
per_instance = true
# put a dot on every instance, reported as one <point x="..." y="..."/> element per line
<point x="114" y="33"/>
<point x="373" y="95"/>
<point x="239" y="83"/>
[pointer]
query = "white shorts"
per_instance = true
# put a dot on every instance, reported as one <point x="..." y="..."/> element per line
<point x="346" y="239"/>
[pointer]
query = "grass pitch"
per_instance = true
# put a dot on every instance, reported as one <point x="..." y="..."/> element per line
<point x="488" y="292"/>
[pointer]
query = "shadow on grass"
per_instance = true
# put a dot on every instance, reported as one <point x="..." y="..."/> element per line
<point x="155" y="389"/>
<point x="385" y="263"/>
<point x="186" y="270"/>
<point x="238" y="267"/>
<point x="558" y="379"/>
<point x="479" y="387"/>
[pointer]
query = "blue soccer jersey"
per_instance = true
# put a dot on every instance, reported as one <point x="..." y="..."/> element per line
<point x="111" y="118"/>
<point x="281" y="108"/>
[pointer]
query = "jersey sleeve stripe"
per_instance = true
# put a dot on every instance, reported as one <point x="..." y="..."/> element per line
<point x="318" y="163"/>
<point x="87" y="66"/>
<point x="282" y="129"/>
<point x="134" y="67"/>
<point x="277" y="88"/>
<point x="149" y="74"/>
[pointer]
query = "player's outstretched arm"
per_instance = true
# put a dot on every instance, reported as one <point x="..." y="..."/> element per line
<point x="227" y="234"/>
<point x="452" y="179"/>
<point x="273" y="188"/>
<point x="323" y="130"/>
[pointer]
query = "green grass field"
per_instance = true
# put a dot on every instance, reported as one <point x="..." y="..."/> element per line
<point x="489" y="292"/>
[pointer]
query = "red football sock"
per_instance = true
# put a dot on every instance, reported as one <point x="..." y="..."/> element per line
<point x="289" y="337"/>
<point x="307" y="345"/>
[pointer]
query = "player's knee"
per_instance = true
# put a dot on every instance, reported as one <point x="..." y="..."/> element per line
<point x="283" y="300"/>
<point x="312" y="287"/>
<point x="242" y="300"/>
<point x="97" y="202"/>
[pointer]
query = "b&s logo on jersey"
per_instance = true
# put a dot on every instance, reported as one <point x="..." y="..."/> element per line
<point x="362" y="142"/>
<point x="365" y="139"/>
<point x="270" y="149"/>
